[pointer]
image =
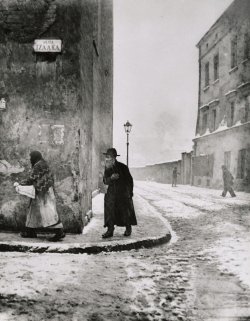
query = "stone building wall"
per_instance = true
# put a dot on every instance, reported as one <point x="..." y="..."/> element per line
<point x="50" y="101"/>
<point x="161" y="173"/>
<point x="103" y="90"/>
<point x="234" y="140"/>
<point x="224" y="98"/>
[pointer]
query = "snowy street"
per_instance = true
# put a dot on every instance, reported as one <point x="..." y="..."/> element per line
<point x="202" y="274"/>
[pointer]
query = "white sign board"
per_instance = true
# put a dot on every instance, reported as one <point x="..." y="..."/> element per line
<point x="2" y="103"/>
<point x="58" y="134"/>
<point x="47" y="45"/>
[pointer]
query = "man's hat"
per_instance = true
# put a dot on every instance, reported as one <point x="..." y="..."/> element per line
<point x="111" y="152"/>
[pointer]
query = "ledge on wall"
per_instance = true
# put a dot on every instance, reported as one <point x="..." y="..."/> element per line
<point x="206" y="88"/>
<point x="233" y="69"/>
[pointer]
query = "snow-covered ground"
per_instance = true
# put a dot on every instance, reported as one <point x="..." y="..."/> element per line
<point x="183" y="200"/>
<point x="234" y="256"/>
<point x="202" y="276"/>
<point x="232" y="249"/>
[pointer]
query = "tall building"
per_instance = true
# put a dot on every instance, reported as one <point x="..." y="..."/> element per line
<point x="56" y="89"/>
<point x="223" y="122"/>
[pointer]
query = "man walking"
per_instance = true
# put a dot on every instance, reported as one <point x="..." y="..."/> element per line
<point x="118" y="203"/>
<point x="228" y="182"/>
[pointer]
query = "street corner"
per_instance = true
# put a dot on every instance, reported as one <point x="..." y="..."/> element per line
<point x="151" y="230"/>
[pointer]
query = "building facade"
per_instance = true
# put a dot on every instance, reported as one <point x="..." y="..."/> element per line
<point x="56" y="89"/>
<point x="223" y="122"/>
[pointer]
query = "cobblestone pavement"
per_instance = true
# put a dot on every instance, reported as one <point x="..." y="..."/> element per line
<point x="203" y="274"/>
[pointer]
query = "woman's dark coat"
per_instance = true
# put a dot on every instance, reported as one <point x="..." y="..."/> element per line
<point x="118" y="203"/>
<point x="42" y="210"/>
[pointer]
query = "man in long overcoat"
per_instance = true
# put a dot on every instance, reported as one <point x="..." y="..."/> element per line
<point x="227" y="181"/>
<point x="118" y="203"/>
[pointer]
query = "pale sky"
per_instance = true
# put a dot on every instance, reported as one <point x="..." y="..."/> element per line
<point x="156" y="74"/>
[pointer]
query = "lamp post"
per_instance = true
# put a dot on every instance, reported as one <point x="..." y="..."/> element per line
<point x="127" y="128"/>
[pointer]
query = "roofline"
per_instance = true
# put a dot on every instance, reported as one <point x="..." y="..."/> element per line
<point x="214" y="24"/>
<point x="157" y="164"/>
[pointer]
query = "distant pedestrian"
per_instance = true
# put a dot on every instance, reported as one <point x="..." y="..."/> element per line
<point x="174" y="177"/>
<point x="118" y="203"/>
<point x="42" y="210"/>
<point x="227" y="181"/>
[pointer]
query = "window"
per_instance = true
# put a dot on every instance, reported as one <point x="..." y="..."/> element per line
<point x="216" y="67"/>
<point x="241" y="163"/>
<point x="232" y="109"/>
<point x="227" y="160"/>
<point x="246" y="46"/>
<point x="213" y="119"/>
<point x="204" y="122"/>
<point x="207" y="74"/>
<point x="234" y="52"/>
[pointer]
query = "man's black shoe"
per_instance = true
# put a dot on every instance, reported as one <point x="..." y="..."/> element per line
<point x="108" y="234"/>
<point x="128" y="231"/>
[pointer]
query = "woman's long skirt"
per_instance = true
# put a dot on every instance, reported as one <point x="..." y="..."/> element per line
<point x="43" y="212"/>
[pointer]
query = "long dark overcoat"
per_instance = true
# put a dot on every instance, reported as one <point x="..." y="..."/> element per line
<point x="227" y="179"/>
<point x="118" y="203"/>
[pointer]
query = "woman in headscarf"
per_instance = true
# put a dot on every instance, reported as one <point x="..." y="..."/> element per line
<point x="42" y="210"/>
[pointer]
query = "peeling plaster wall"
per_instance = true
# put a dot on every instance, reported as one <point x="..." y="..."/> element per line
<point x="49" y="104"/>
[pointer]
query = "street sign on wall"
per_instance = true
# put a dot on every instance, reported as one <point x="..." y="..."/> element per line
<point x="47" y="45"/>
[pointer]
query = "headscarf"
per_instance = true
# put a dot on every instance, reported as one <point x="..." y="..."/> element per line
<point x="35" y="156"/>
<point x="41" y="174"/>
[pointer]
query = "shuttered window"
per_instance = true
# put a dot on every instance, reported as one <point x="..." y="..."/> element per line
<point x="207" y="74"/>
<point x="216" y="67"/>
<point x="241" y="163"/>
<point x="234" y="52"/>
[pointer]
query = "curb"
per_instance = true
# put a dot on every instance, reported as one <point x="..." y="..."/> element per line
<point x="87" y="248"/>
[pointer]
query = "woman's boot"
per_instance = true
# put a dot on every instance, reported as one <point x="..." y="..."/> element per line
<point x="128" y="230"/>
<point x="28" y="233"/>
<point x="109" y="233"/>
<point x="58" y="236"/>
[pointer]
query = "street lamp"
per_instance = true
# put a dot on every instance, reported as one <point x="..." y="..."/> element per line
<point x="127" y="128"/>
